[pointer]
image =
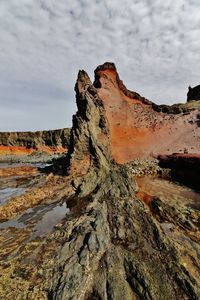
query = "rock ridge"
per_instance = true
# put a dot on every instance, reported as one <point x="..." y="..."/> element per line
<point x="138" y="127"/>
<point x="46" y="140"/>
<point x="112" y="68"/>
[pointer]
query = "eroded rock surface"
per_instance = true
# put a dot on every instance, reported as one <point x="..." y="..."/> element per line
<point x="138" y="127"/>
<point x="110" y="245"/>
<point x="27" y="142"/>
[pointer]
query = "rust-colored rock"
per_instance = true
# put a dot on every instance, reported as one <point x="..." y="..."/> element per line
<point x="22" y="170"/>
<point x="137" y="127"/>
<point x="49" y="141"/>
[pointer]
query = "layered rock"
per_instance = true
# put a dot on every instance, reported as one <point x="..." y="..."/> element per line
<point x="138" y="127"/>
<point x="110" y="246"/>
<point x="27" y="142"/>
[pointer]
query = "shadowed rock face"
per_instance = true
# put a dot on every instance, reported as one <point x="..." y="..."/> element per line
<point x="184" y="167"/>
<point x="27" y="142"/>
<point x="139" y="128"/>
<point x="111" y="246"/>
<point x="193" y="93"/>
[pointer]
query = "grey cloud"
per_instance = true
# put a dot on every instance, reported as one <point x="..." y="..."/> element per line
<point x="43" y="43"/>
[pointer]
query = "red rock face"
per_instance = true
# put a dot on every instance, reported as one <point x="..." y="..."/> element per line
<point x="136" y="129"/>
<point x="21" y="170"/>
<point x="17" y="150"/>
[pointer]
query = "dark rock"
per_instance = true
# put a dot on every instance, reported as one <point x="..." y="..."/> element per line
<point x="184" y="167"/>
<point x="193" y="93"/>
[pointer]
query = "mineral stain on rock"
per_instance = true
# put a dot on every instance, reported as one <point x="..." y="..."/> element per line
<point x="138" y="127"/>
<point x="111" y="244"/>
<point x="50" y="141"/>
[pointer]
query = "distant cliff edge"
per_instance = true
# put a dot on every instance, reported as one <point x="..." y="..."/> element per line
<point x="27" y="142"/>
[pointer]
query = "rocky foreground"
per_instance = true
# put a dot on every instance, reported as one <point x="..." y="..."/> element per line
<point x="109" y="243"/>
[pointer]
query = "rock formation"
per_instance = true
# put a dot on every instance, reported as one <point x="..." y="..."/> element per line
<point x="27" y="142"/>
<point x="193" y="93"/>
<point x="110" y="246"/>
<point x="138" y="127"/>
<point x="184" y="167"/>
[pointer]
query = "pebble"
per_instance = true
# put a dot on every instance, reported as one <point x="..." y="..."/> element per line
<point x="140" y="167"/>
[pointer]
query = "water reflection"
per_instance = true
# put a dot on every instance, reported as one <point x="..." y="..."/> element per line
<point x="50" y="219"/>
<point x="7" y="193"/>
<point x="42" y="219"/>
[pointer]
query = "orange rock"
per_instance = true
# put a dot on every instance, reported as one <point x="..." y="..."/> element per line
<point x="17" y="150"/>
<point x="137" y="129"/>
<point x="22" y="170"/>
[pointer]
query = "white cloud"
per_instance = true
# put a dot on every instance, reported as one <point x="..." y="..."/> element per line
<point x="43" y="43"/>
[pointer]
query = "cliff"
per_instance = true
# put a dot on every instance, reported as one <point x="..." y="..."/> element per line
<point x="27" y="142"/>
<point x="138" y="127"/>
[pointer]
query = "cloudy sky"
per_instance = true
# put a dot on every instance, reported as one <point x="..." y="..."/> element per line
<point x="155" y="45"/>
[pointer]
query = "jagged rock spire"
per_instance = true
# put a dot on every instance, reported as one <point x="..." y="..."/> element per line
<point x="89" y="151"/>
<point x="90" y="127"/>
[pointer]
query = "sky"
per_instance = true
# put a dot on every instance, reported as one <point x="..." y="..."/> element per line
<point x="154" y="44"/>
